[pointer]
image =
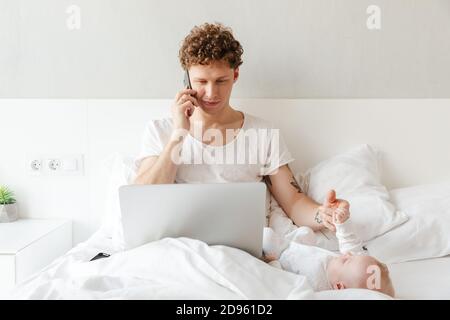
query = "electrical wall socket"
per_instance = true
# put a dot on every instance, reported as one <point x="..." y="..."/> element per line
<point x="54" y="164"/>
<point x="51" y="165"/>
<point x="36" y="165"/>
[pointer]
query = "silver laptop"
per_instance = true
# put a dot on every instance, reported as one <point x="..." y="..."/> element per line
<point x="230" y="214"/>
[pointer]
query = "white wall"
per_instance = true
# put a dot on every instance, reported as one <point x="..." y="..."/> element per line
<point x="413" y="134"/>
<point x="292" y="48"/>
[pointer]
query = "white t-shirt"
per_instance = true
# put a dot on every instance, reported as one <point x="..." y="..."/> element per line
<point x="257" y="150"/>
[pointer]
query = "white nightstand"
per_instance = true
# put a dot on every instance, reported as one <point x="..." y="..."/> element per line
<point x="28" y="245"/>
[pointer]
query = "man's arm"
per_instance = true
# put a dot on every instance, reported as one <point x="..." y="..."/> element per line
<point x="300" y="208"/>
<point x="163" y="168"/>
<point x="159" y="169"/>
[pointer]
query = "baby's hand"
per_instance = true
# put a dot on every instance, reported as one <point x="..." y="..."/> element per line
<point x="341" y="215"/>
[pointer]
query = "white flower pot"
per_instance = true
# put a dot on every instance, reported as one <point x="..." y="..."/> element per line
<point x="8" y="212"/>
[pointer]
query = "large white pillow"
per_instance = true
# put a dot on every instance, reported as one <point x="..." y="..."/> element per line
<point x="426" y="234"/>
<point x="355" y="175"/>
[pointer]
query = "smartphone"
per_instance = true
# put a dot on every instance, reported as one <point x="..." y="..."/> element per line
<point x="99" y="256"/>
<point x="187" y="84"/>
<point x="187" y="80"/>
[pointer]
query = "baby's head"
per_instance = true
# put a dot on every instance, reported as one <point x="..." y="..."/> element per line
<point x="359" y="271"/>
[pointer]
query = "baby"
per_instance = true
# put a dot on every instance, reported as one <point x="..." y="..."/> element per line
<point x="324" y="269"/>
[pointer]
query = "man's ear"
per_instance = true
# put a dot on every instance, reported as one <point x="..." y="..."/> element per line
<point x="338" y="285"/>
<point x="236" y="74"/>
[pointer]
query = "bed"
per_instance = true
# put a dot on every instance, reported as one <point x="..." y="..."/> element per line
<point x="182" y="268"/>
<point x="417" y="251"/>
<point x="422" y="279"/>
<point x="74" y="277"/>
<point x="179" y="268"/>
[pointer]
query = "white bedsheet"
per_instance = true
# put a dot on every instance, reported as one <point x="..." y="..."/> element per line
<point x="422" y="279"/>
<point x="179" y="268"/>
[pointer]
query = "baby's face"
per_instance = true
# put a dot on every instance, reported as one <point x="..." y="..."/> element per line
<point x="350" y="271"/>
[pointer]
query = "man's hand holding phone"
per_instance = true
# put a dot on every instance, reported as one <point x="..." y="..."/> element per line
<point x="183" y="108"/>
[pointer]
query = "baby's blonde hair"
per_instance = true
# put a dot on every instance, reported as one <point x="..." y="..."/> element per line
<point x="386" y="283"/>
<point x="386" y="286"/>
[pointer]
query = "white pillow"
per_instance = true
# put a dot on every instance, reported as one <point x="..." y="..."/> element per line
<point x="120" y="170"/>
<point x="426" y="234"/>
<point x="355" y="175"/>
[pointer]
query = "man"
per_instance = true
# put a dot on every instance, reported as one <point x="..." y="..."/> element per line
<point x="212" y="57"/>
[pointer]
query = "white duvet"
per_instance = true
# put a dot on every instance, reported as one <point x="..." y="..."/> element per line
<point x="171" y="268"/>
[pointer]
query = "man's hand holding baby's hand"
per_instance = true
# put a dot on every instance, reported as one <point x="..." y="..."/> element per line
<point x="341" y="215"/>
<point x="331" y="206"/>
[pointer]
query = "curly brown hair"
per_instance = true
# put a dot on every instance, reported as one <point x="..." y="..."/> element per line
<point x="210" y="42"/>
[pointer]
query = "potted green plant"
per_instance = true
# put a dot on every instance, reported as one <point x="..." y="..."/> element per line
<point x="8" y="205"/>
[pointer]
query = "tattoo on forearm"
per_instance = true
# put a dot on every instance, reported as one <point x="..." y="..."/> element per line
<point x="295" y="185"/>
<point x="266" y="179"/>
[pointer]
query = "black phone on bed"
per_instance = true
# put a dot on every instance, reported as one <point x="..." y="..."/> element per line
<point x="100" y="256"/>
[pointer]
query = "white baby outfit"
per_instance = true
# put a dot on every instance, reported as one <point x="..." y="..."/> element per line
<point x="299" y="253"/>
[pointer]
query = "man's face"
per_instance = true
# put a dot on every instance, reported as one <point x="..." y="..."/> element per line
<point x="213" y="83"/>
